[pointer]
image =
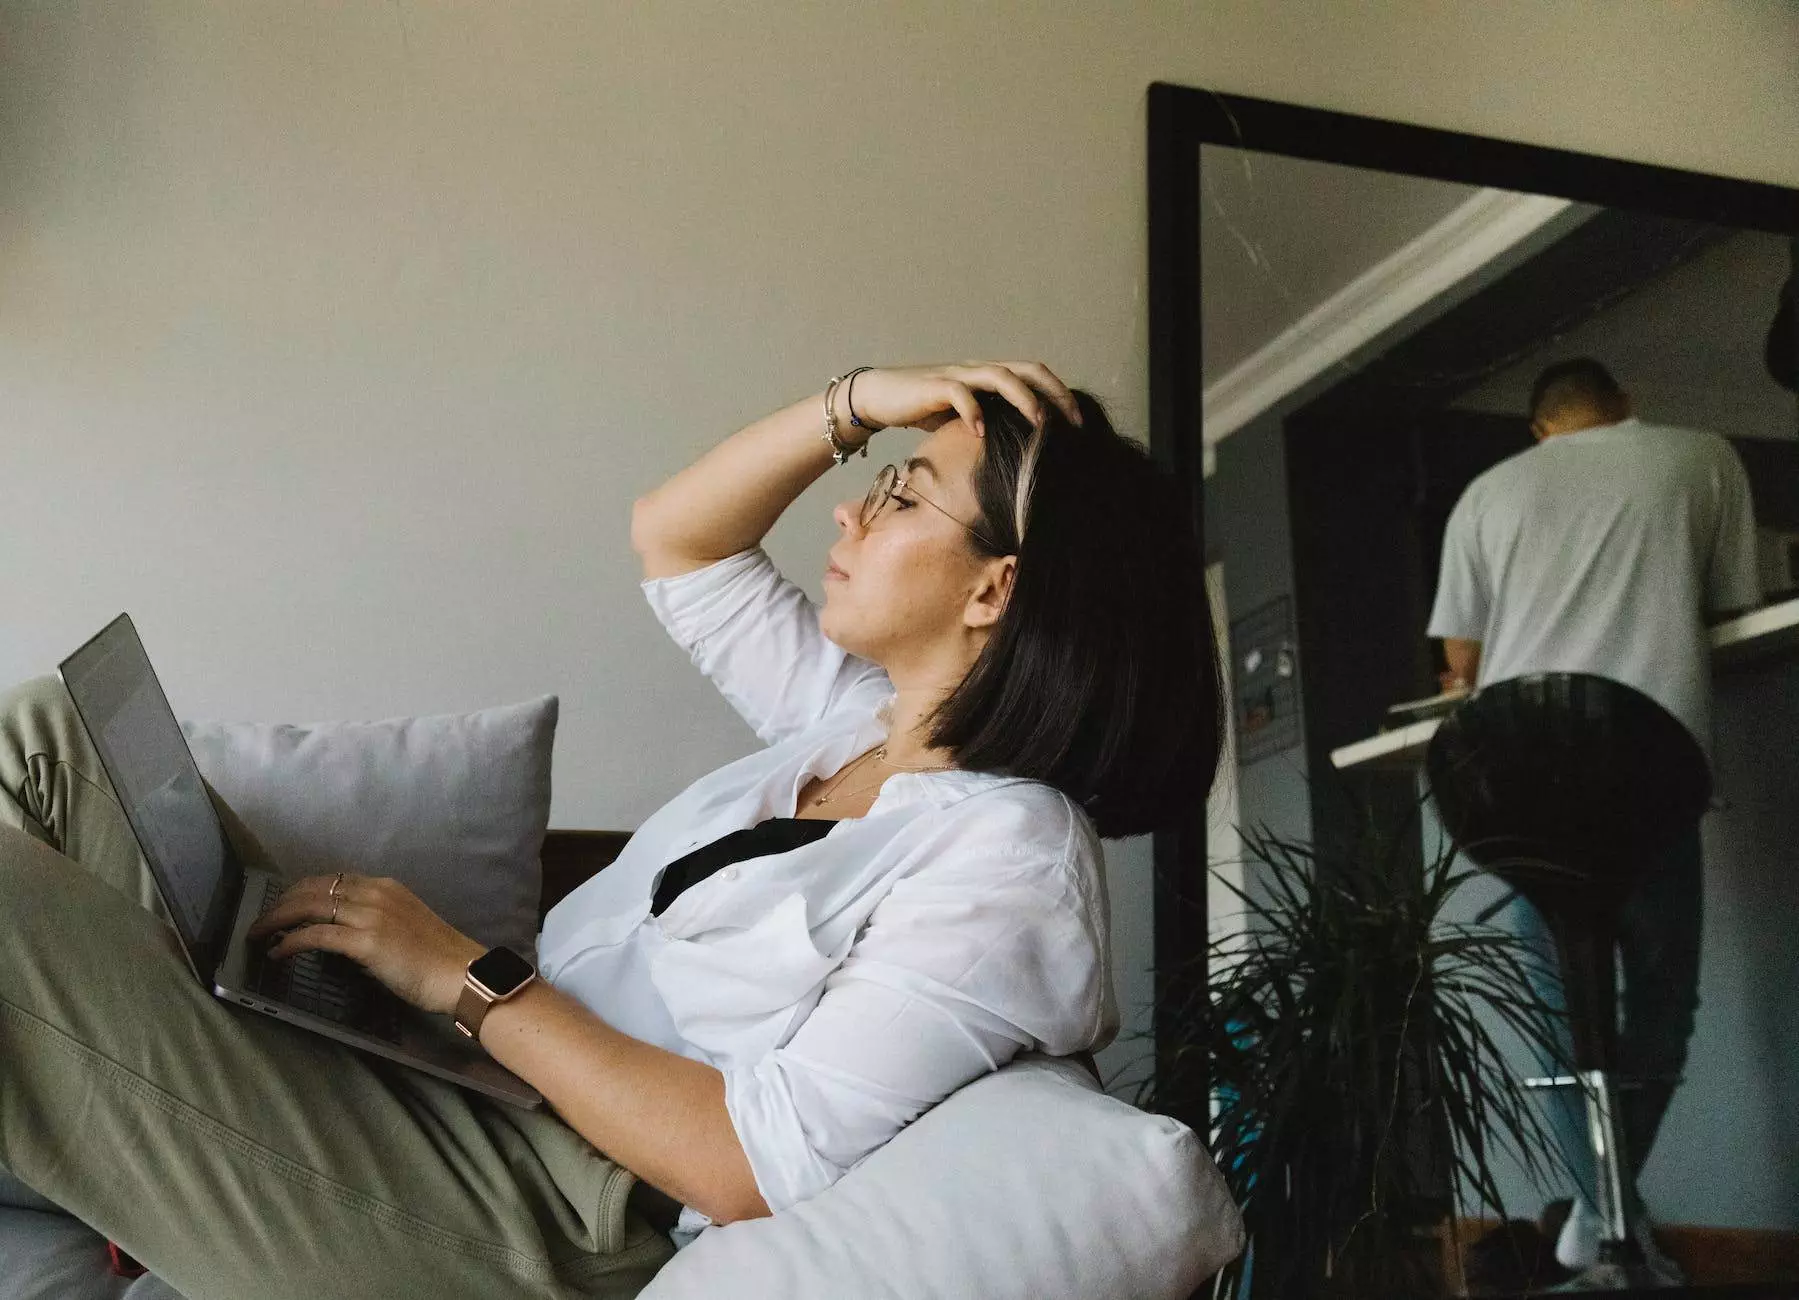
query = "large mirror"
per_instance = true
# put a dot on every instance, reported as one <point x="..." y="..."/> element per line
<point x="1474" y="423"/>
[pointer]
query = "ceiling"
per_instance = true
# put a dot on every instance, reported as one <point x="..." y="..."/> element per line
<point x="1278" y="236"/>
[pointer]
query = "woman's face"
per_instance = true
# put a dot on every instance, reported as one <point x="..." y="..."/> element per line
<point x="911" y="590"/>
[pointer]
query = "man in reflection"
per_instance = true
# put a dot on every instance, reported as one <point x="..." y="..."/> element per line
<point x="1605" y="549"/>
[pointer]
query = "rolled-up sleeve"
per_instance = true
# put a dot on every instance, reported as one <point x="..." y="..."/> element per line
<point x="756" y="637"/>
<point x="984" y="953"/>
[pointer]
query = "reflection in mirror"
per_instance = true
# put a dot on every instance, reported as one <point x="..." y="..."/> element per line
<point x="1396" y="500"/>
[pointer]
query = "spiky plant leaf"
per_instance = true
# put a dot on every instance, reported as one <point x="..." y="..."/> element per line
<point x="1347" y="1038"/>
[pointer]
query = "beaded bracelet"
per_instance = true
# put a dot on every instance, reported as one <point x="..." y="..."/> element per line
<point x="840" y="451"/>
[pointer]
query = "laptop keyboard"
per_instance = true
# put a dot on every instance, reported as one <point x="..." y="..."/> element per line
<point x="330" y="986"/>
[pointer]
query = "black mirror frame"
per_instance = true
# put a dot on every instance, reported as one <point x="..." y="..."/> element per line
<point x="1180" y="120"/>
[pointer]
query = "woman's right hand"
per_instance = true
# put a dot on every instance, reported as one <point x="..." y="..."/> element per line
<point x="926" y="397"/>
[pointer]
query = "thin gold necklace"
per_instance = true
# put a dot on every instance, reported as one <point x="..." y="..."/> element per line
<point x="879" y="753"/>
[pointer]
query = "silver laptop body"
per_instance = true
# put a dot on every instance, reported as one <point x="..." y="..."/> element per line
<point x="214" y="899"/>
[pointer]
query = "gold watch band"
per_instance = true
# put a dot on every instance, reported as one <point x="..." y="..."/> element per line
<point x="477" y="1000"/>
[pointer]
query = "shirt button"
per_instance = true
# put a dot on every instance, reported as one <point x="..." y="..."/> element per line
<point x="729" y="873"/>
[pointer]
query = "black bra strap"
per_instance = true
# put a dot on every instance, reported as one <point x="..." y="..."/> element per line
<point x="776" y="835"/>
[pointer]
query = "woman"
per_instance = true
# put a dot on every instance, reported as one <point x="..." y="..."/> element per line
<point x="793" y="959"/>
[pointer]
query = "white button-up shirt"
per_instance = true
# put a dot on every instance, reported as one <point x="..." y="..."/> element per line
<point x="847" y="986"/>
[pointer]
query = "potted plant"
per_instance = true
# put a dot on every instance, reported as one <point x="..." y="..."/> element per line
<point x="1346" y="1034"/>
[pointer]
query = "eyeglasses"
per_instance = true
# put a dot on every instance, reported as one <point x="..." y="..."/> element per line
<point x="887" y="487"/>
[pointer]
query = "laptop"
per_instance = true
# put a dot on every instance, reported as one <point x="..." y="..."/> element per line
<point x="214" y="899"/>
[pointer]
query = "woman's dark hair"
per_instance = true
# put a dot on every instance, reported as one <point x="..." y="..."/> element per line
<point x="1101" y="676"/>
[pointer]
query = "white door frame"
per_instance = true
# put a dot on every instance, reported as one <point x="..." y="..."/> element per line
<point x="1224" y="842"/>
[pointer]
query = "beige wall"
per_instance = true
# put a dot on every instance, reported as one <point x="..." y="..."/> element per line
<point x="335" y="340"/>
<point x="1688" y="346"/>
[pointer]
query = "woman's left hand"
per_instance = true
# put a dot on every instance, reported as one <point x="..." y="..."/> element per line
<point x="381" y="925"/>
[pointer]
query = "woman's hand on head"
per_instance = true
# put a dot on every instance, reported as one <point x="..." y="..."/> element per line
<point x="928" y="397"/>
<point x="381" y="925"/>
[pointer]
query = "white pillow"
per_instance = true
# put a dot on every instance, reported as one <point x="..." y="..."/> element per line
<point x="1028" y="1183"/>
<point x="455" y="806"/>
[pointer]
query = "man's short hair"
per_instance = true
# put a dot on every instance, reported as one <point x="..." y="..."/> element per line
<point x="1581" y="381"/>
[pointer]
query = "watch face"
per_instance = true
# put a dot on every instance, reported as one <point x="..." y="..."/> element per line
<point x="501" y="970"/>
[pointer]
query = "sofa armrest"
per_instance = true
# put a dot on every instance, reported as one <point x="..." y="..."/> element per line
<point x="571" y="857"/>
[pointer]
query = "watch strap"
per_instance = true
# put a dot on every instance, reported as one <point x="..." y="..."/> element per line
<point x="476" y="1001"/>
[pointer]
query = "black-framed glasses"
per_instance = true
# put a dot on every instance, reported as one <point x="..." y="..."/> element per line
<point x="888" y="485"/>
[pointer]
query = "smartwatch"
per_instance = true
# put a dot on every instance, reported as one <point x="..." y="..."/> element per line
<point x="497" y="975"/>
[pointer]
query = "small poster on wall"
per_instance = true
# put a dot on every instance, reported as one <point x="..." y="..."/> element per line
<point x="1265" y="680"/>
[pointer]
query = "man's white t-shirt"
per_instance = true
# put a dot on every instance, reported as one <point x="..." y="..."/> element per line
<point x="1603" y="552"/>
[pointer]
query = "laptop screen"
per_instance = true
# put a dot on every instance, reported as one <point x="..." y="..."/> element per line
<point x="153" y="773"/>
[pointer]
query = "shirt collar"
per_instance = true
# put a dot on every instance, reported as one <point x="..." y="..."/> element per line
<point x="1627" y="425"/>
<point x="941" y="788"/>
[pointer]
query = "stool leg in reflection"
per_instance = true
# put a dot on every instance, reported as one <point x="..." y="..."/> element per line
<point x="1567" y="787"/>
<point x="1618" y="1245"/>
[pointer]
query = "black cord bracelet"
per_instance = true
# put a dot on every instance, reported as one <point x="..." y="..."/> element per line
<point x="849" y="400"/>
